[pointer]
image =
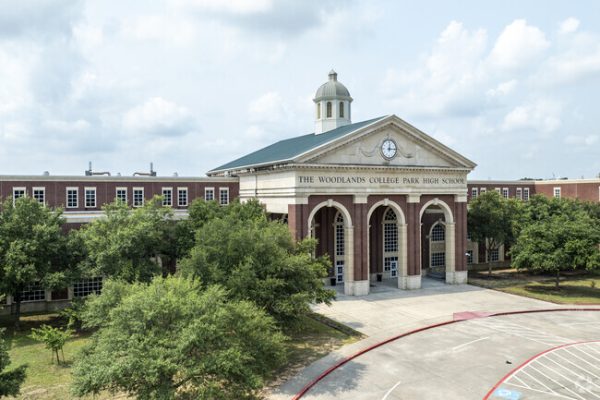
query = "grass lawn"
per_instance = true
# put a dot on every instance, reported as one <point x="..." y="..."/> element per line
<point x="315" y="337"/>
<point x="574" y="288"/>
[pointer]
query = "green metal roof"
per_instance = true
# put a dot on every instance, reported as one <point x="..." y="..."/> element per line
<point x="288" y="149"/>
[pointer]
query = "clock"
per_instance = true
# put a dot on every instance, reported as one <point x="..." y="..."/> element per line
<point x="389" y="149"/>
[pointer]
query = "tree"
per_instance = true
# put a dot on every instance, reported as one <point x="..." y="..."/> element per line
<point x="256" y="259"/>
<point x="10" y="381"/>
<point x="33" y="249"/>
<point x="127" y="244"/>
<point x="171" y="339"/>
<point x="492" y="220"/>
<point x="53" y="338"/>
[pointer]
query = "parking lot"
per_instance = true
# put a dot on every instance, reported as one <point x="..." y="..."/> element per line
<point x="543" y="355"/>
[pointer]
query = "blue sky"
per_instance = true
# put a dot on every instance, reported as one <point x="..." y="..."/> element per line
<point x="192" y="84"/>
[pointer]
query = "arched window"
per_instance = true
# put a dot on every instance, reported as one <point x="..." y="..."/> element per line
<point x="438" y="233"/>
<point x="390" y="231"/>
<point x="339" y="234"/>
<point x="341" y="109"/>
<point x="319" y="110"/>
<point x="329" y="109"/>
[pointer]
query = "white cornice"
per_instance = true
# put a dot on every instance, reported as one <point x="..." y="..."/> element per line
<point x="124" y="179"/>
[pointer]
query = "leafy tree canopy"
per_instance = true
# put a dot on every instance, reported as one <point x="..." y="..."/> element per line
<point x="256" y="259"/>
<point x="10" y="381"/>
<point x="126" y="244"/>
<point x="33" y="248"/>
<point x="171" y="339"/>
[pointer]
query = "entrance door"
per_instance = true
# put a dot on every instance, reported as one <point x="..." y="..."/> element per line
<point x="437" y="251"/>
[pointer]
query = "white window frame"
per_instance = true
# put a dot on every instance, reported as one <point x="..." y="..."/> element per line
<point x="437" y="255"/>
<point x="520" y="193"/>
<point x="39" y="189"/>
<point x="209" y="189"/>
<point x="526" y="194"/>
<point x="474" y="193"/>
<point x="505" y="193"/>
<point x="482" y="190"/>
<point x="495" y="258"/>
<point x="164" y="202"/>
<point x="18" y="189"/>
<point x="76" y="190"/>
<point x="187" y="197"/>
<point x="437" y="238"/>
<point x="556" y="192"/>
<point x="469" y="255"/>
<point x="117" y="190"/>
<point x="87" y="286"/>
<point x="498" y="190"/>
<point x="85" y="196"/>
<point x="221" y="190"/>
<point x="138" y="189"/>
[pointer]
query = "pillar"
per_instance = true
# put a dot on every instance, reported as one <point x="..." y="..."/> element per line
<point x="413" y="279"/>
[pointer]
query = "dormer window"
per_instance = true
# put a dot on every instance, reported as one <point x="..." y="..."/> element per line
<point x="341" y="109"/>
<point x="329" y="111"/>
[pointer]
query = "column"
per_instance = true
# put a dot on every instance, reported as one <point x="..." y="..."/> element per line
<point x="402" y="256"/>
<point x="413" y="279"/>
<point x="356" y="258"/>
<point x="460" y="248"/>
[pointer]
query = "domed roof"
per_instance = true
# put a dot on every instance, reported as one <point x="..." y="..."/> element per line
<point x="332" y="89"/>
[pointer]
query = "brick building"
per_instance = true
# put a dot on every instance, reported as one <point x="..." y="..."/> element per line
<point x="387" y="202"/>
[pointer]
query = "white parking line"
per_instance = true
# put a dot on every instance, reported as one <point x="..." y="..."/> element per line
<point x="468" y="343"/>
<point x="391" y="390"/>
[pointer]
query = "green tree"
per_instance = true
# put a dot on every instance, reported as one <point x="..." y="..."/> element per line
<point x="128" y="244"/>
<point x="492" y="220"/>
<point x="10" y="381"/>
<point x="53" y="338"/>
<point x="173" y="340"/>
<point x="256" y="259"/>
<point x="558" y="242"/>
<point x="33" y="249"/>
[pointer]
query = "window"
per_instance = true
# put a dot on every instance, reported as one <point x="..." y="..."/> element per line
<point x="339" y="271"/>
<point x="86" y="287"/>
<point x="526" y="194"/>
<point x="473" y="193"/>
<point x="33" y="292"/>
<point x="167" y="195"/>
<point x="318" y="110"/>
<point x="557" y="192"/>
<point x="39" y="193"/>
<point x="390" y="264"/>
<point x="339" y="234"/>
<point x="90" y="197"/>
<point x="505" y="193"/>
<point x="438" y="233"/>
<point x="72" y="197"/>
<point x="494" y="255"/>
<point x="329" y="109"/>
<point x="18" y="192"/>
<point x="390" y="232"/>
<point x="482" y="190"/>
<point x="438" y="259"/>
<point x="209" y="194"/>
<point x="519" y="193"/>
<point x="469" y="256"/>
<point x="469" y="236"/>
<point x="224" y="196"/>
<point x="497" y="190"/>
<point x="182" y="197"/>
<point x="138" y="197"/>
<point x="121" y="194"/>
<point x="341" y="109"/>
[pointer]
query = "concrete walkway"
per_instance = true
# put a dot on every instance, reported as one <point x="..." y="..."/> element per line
<point x="388" y="311"/>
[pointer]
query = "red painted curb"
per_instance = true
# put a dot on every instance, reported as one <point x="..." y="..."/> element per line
<point x="329" y="370"/>
<point x="530" y="360"/>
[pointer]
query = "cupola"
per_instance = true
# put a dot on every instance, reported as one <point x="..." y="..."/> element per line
<point x="332" y="102"/>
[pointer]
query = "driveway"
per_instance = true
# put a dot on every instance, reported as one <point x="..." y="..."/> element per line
<point x="388" y="312"/>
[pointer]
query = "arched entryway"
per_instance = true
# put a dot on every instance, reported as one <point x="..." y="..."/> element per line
<point x="387" y="244"/>
<point x="331" y="224"/>
<point x="437" y="240"/>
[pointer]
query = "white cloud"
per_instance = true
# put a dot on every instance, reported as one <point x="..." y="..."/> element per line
<point x="518" y="45"/>
<point x="158" y="117"/>
<point x="503" y="88"/>
<point x="543" y="116"/>
<point x="229" y="6"/>
<point x="269" y="107"/>
<point x="569" y="25"/>
<point x="582" y="140"/>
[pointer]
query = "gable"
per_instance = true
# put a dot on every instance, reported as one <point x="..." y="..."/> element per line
<point x="415" y="148"/>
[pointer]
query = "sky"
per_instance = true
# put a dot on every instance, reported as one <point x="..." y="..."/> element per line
<point x="192" y="84"/>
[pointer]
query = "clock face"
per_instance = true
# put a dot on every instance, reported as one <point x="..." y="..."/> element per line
<point x="389" y="149"/>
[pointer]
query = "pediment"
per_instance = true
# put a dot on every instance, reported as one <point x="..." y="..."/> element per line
<point x="363" y="147"/>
